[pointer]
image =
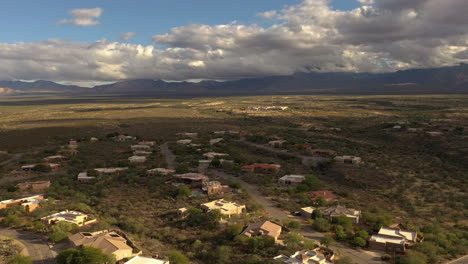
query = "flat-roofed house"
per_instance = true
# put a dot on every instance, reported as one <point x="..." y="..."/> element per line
<point x="212" y="155"/>
<point x="277" y="143"/>
<point x="137" y="159"/>
<point x="124" y="138"/>
<point x="261" y="168"/>
<point x="74" y="217"/>
<point x="215" y="187"/>
<point x="108" y="171"/>
<point x="291" y="179"/>
<point x="184" y="141"/>
<point x="140" y="147"/>
<point x="265" y="228"/>
<point x="146" y="260"/>
<point x="187" y="134"/>
<point x="333" y="211"/>
<point x="31" y="202"/>
<point x="215" y="141"/>
<point x="159" y="171"/>
<point x="37" y="186"/>
<point x="226" y="208"/>
<point x="32" y="167"/>
<point x="323" y="152"/>
<point x="55" y="157"/>
<point x="348" y="160"/>
<point x="147" y="142"/>
<point x="108" y="242"/>
<point x="392" y="240"/>
<point x="83" y="177"/>
<point x="303" y="257"/>
<point x="194" y="179"/>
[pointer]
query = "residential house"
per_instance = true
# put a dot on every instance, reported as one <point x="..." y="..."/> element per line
<point x="159" y="171"/>
<point x="56" y="158"/>
<point x="303" y="257"/>
<point x="277" y="143"/>
<point x="108" y="171"/>
<point x="325" y="195"/>
<point x="31" y="202"/>
<point x="3" y="152"/>
<point x="261" y="168"/>
<point x="124" y="138"/>
<point x="32" y="167"/>
<point x="212" y="155"/>
<point x="291" y="179"/>
<point x="94" y="139"/>
<point x="72" y="144"/>
<point x="392" y="240"/>
<point x="194" y="179"/>
<point x="83" y="177"/>
<point x="435" y="134"/>
<point x="37" y="186"/>
<point x="183" y="212"/>
<point x="187" y="134"/>
<point x="184" y="141"/>
<point x="226" y="208"/>
<point x="265" y="228"/>
<point x="323" y="152"/>
<point x="73" y="217"/>
<point x="108" y="242"/>
<point x="333" y="211"/>
<point x="348" y="160"/>
<point x="137" y="159"/>
<point x="215" y="141"/>
<point x="148" y="143"/>
<point x="219" y="133"/>
<point x="140" y="147"/>
<point x="142" y="153"/>
<point x="146" y="260"/>
<point x="215" y="187"/>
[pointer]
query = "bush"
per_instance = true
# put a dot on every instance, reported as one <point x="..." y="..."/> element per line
<point x="19" y="259"/>
<point x="413" y="257"/>
<point x="85" y="255"/>
<point x="326" y="241"/>
<point x="176" y="257"/>
<point x="42" y="168"/>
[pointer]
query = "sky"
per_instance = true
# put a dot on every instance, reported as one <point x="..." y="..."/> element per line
<point x="110" y="40"/>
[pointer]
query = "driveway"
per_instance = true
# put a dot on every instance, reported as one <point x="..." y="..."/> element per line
<point x="35" y="246"/>
<point x="168" y="155"/>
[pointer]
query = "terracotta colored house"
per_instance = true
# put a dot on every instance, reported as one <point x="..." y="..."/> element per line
<point x="31" y="202"/>
<point x="261" y="168"/>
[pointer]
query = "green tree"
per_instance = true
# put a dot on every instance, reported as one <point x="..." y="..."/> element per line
<point x="38" y="226"/>
<point x="42" y="168"/>
<point x="183" y="191"/>
<point x="19" y="259"/>
<point x="62" y="230"/>
<point x="233" y="230"/>
<point x="317" y="214"/>
<point x="343" y="221"/>
<point x="321" y="225"/>
<point x="223" y="254"/>
<point x="85" y="255"/>
<point x="340" y="233"/>
<point x="359" y="241"/>
<point x="176" y="257"/>
<point x="12" y="221"/>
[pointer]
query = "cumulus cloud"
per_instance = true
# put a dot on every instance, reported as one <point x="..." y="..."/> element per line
<point x="127" y="36"/>
<point x="83" y="17"/>
<point x="386" y="35"/>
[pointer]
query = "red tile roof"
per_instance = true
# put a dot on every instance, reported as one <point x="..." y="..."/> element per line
<point x="262" y="166"/>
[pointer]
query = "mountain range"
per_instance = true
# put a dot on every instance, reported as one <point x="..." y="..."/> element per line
<point x="445" y="80"/>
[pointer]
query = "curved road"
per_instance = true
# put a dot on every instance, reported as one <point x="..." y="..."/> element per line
<point x="36" y="247"/>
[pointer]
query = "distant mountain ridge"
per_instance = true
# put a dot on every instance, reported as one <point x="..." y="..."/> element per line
<point x="443" y="80"/>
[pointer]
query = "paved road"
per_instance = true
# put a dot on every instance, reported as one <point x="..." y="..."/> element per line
<point x="358" y="256"/>
<point x="168" y="155"/>
<point x="36" y="247"/>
